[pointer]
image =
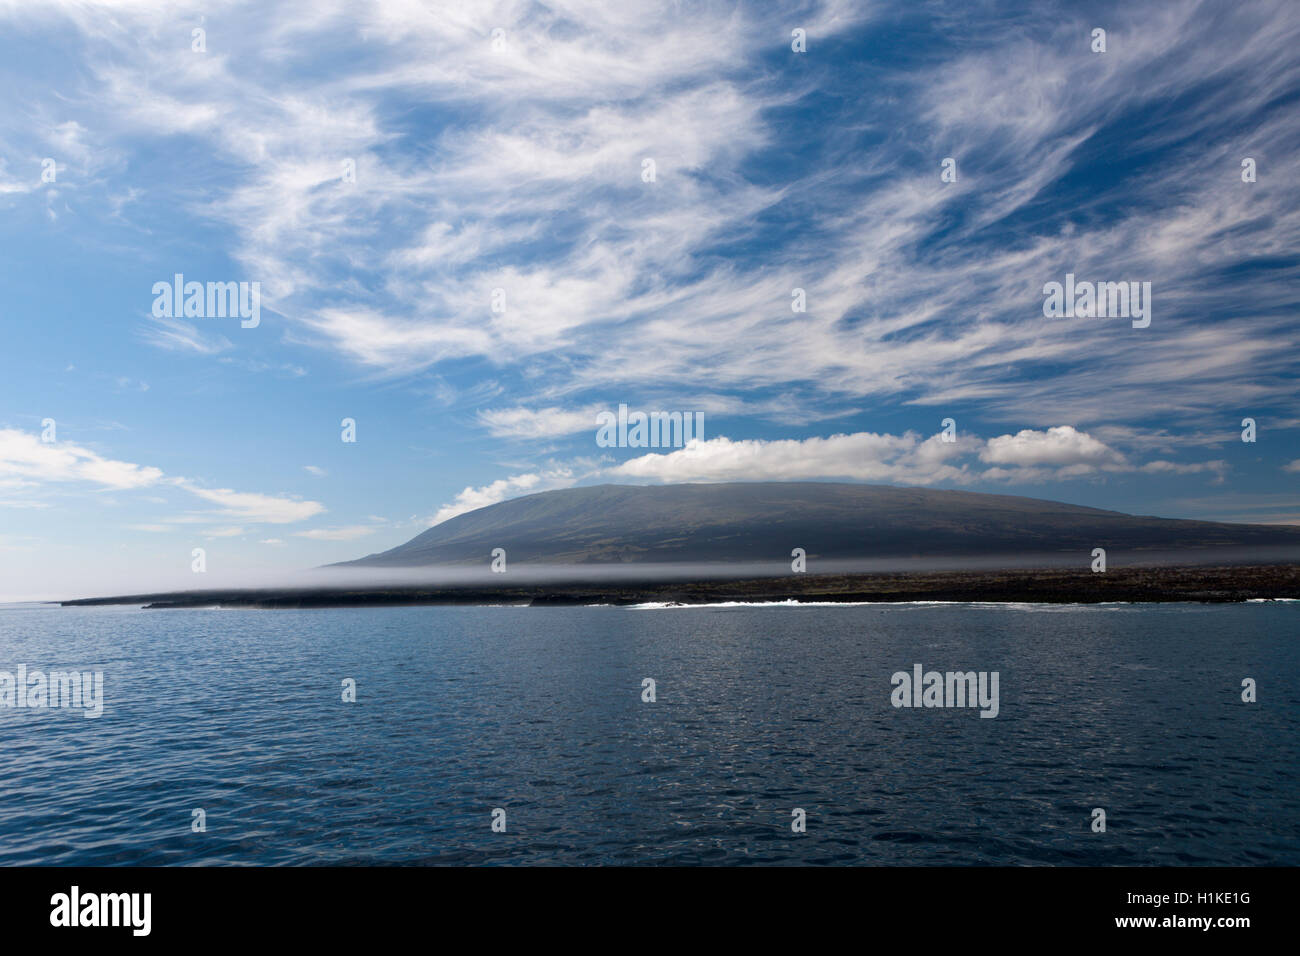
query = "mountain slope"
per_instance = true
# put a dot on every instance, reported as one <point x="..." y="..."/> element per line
<point x="763" y="521"/>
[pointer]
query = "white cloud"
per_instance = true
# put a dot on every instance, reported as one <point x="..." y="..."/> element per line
<point x="1055" y="454"/>
<point x="528" y="423"/>
<point x="501" y="489"/>
<point x="28" y="464"/>
<point x="253" y="507"/>
<point x="1217" y="467"/>
<point x="223" y="532"/>
<point x="25" y="457"/>
<point x="12" y="184"/>
<point x="348" y="533"/>
<point x="863" y="456"/>
<point x="1061" y="446"/>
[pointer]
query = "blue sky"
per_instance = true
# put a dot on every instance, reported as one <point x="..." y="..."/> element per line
<point x="514" y="161"/>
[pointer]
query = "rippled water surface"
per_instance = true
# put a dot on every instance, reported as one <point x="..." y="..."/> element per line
<point x="1136" y="709"/>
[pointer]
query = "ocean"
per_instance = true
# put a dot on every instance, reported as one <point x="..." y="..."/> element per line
<point x="514" y="735"/>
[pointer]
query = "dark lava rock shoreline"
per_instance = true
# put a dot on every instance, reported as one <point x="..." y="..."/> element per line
<point x="1135" y="584"/>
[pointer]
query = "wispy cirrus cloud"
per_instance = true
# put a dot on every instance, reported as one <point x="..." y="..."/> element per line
<point x="178" y="335"/>
<point x="918" y="290"/>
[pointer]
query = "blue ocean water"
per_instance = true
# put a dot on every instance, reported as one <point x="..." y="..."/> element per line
<point x="758" y="710"/>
